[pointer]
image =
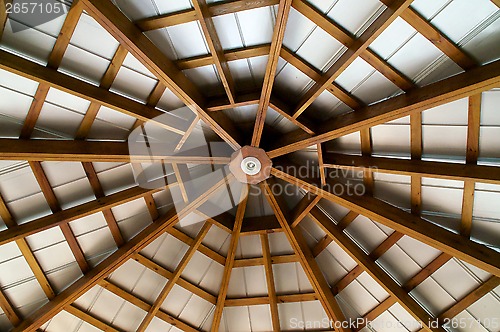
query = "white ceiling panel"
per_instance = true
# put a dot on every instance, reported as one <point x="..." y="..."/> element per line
<point x="93" y="38"/>
<point x="358" y="298"/>
<point x="133" y="84"/>
<point x="342" y="13"/>
<point x="228" y="31"/>
<point x="433" y="297"/>
<point x="298" y="28"/>
<point x="399" y="265"/>
<point x="187" y="40"/>
<point x="319" y="49"/>
<point x="83" y="65"/>
<point x="463" y="283"/>
<point x="392" y="140"/>
<point x="366" y="233"/>
<point x="486" y="45"/>
<point x="444" y="140"/>
<point x="393" y="38"/>
<point x="256" y="25"/>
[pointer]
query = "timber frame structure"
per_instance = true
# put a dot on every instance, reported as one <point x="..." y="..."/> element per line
<point x="475" y="79"/>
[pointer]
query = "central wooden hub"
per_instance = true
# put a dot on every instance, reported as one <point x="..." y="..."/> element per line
<point x="250" y="165"/>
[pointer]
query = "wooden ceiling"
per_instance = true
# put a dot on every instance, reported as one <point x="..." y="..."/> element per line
<point x="471" y="83"/>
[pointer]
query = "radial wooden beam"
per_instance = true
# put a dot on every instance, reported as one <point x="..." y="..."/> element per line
<point x="228" y="267"/>
<point x="376" y="272"/>
<point x="355" y="49"/>
<point x="174" y="278"/>
<point x="189" y="15"/>
<point x="132" y="299"/>
<point x="405" y="223"/>
<point x="212" y="38"/>
<point x="271" y="289"/>
<point x="345" y="38"/>
<point x="432" y="169"/>
<point x="63" y="217"/>
<point x="53" y="203"/>
<point x="115" y="260"/>
<point x="456" y="87"/>
<point x="272" y="64"/>
<point x="416" y="148"/>
<point x="307" y="260"/>
<point x="471" y="156"/>
<point x="131" y="37"/>
<point x="88" y="151"/>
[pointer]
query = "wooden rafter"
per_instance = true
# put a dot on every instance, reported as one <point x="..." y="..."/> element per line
<point x="115" y="260"/>
<point x="174" y="278"/>
<point x="366" y="150"/>
<point x="228" y="267"/>
<point x="53" y="203"/>
<point x="271" y="289"/>
<point x="99" y="193"/>
<point x="405" y="223"/>
<point x="440" y="170"/>
<point x="302" y="208"/>
<point x="88" y="151"/>
<point x="214" y="45"/>
<point x="307" y="260"/>
<point x="90" y="319"/>
<point x="34" y="111"/>
<point x="129" y="35"/>
<point x="376" y="272"/>
<point x="261" y="300"/>
<point x="3" y="16"/>
<point x="471" y="155"/>
<point x="344" y="37"/>
<point x="162" y="315"/>
<point x="272" y="64"/>
<point x="456" y="87"/>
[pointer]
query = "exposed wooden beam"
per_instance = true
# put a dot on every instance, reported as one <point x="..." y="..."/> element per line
<point x="416" y="148"/>
<point x="375" y="312"/>
<point x="90" y="319"/>
<point x="228" y="267"/>
<point x="271" y="289"/>
<point x="79" y="88"/>
<point x="34" y="111"/>
<point x="432" y="169"/>
<point x="366" y="150"/>
<point x="405" y="223"/>
<point x="64" y="37"/>
<point x="106" y="82"/>
<point x="88" y="151"/>
<point x="107" y="213"/>
<point x="131" y="37"/>
<point x="106" y="284"/>
<point x="307" y="260"/>
<point x="215" y="47"/>
<point x="426" y="272"/>
<point x="321" y="164"/>
<point x="115" y="260"/>
<point x="470" y="298"/>
<point x="174" y="278"/>
<point x="436" y="37"/>
<point x="347" y="39"/>
<point x="25" y="250"/>
<point x="376" y="272"/>
<point x="471" y="156"/>
<point x="230" y="55"/>
<point x="283" y="109"/>
<point x="189" y="15"/>
<point x="63" y="217"/>
<point x="261" y="300"/>
<point x="303" y="207"/>
<point x="417" y="100"/>
<point x="3" y="16"/>
<point x="281" y="259"/>
<point x="355" y="49"/>
<point x="51" y="199"/>
<point x="272" y="64"/>
<point x="9" y="310"/>
<point x="316" y="74"/>
<point x="157" y="268"/>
